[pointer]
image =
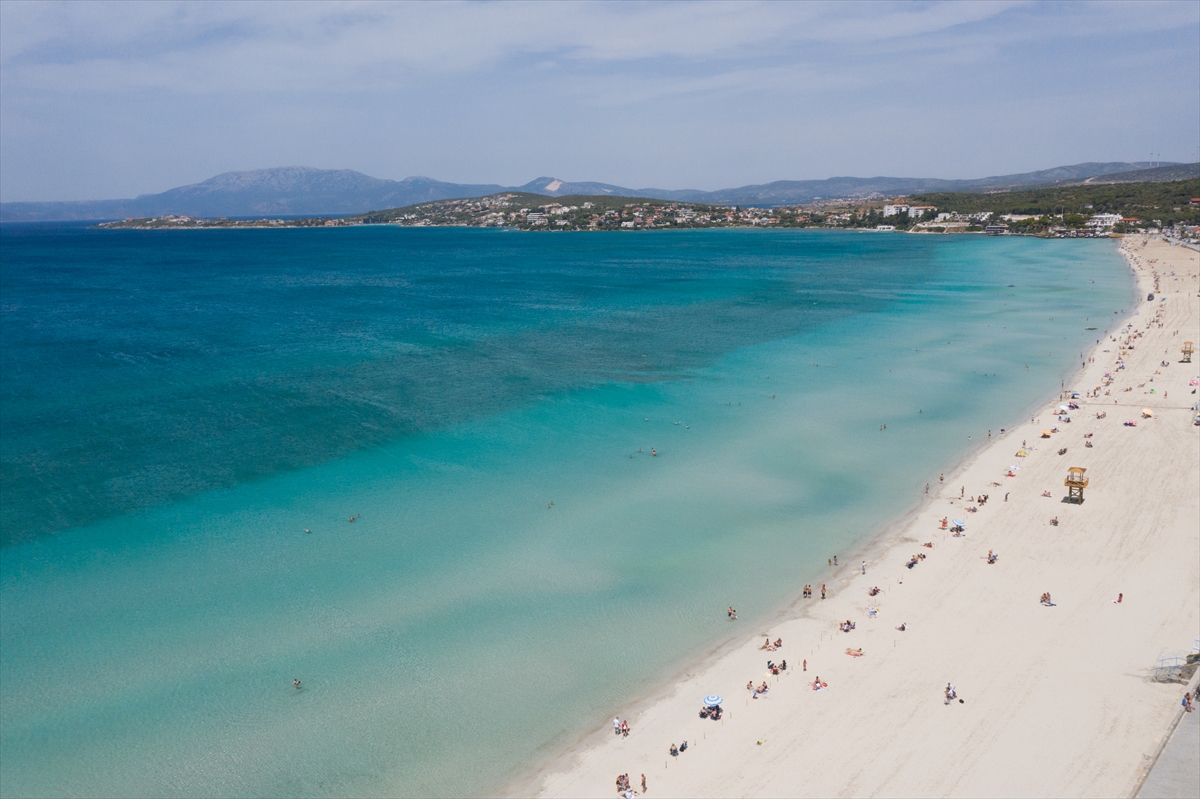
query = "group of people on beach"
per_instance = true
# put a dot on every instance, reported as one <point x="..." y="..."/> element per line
<point x="808" y="591"/>
<point x="620" y="727"/>
<point x="772" y="646"/>
<point x="624" y="788"/>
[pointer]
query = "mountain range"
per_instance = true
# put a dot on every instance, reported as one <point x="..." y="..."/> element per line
<point x="303" y="191"/>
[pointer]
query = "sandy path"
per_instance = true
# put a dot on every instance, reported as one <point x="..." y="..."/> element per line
<point x="1058" y="701"/>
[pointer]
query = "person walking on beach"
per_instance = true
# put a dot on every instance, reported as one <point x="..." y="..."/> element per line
<point x="616" y="726"/>
<point x="822" y="590"/>
<point x="864" y="567"/>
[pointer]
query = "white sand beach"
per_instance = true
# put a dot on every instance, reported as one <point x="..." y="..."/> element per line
<point x="1056" y="700"/>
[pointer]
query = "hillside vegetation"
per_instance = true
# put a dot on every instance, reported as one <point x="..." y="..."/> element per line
<point x="1166" y="202"/>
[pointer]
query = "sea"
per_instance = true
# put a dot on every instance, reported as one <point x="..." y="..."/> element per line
<point x="477" y="490"/>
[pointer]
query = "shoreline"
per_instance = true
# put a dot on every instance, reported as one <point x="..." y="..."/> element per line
<point x="576" y="768"/>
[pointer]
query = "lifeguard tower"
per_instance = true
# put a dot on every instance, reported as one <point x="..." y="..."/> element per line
<point x="1188" y="349"/>
<point x="1075" y="484"/>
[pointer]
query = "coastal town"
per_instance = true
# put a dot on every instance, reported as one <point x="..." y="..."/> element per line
<point x="1169" y="207"/>
<point x="522" y="211"/>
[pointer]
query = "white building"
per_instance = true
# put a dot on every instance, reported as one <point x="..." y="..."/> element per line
<point x="1103" y="220"/>
<point x="913" y="211"/>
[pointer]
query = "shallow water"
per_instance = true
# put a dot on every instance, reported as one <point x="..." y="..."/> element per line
<point x="179" y="407"/>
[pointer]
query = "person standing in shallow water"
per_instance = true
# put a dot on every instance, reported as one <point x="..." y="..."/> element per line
<point x="822" y="590"/>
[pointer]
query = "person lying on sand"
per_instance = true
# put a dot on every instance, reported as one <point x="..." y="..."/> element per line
<point x="903" y="626"/>
<point x="991" y="556"/>
<point x="854" y="653"/>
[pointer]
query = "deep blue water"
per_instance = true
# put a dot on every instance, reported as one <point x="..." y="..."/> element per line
<point x="141" y="367"/>
<point x="176" y="408"/>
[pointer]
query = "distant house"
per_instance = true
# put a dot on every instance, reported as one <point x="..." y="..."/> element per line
<point x="885" y="227"/>
<point x="996" y="230"/>
<point x="913" y="211"/>
<point x="1103" y="220"/>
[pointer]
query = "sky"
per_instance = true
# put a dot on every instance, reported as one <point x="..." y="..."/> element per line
<point x="106" y="100"/>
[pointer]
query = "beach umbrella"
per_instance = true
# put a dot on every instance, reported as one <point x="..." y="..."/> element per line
<point x="1063" y="408"/>
<point x="1147" y="412"/>
<point x="712" y="700"/>
<point x="957" y="522"/>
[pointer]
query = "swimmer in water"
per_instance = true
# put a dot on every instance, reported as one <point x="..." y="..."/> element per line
<point x="307" y="530"/>
<point x="653" y="451"/>
<point x="297" y="684"/>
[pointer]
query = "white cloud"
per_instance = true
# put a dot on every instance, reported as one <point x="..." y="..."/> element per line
<point x="460" y="90"/>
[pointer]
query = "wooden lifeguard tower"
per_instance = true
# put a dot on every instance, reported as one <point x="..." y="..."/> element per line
<point x="1075" y="484"/>
<point x="1188" y="349"/>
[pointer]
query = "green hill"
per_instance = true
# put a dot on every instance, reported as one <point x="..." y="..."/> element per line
<point x="1167" y="202"/>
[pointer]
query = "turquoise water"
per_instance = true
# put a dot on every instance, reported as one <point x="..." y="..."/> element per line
<point x="178" y="408"/>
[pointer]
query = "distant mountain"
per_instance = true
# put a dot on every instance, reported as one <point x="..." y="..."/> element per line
<point x="286" y="191"/>
<point x="303" y="191"/>
<point x="805" y="191"/>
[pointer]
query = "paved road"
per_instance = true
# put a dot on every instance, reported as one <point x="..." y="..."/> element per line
<point x="1176" y="775"/>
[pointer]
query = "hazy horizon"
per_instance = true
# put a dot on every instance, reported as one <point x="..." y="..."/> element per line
<point x="116" y="100"/>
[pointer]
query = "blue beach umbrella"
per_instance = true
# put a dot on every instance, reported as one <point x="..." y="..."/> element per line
<point x="958" y="522"/>
<point x="712" y="700"/>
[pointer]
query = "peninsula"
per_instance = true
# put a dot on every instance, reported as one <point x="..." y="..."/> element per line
<point x="1083" y="210"/>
